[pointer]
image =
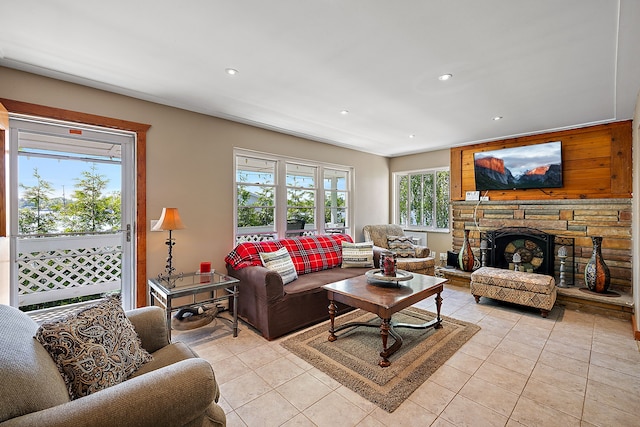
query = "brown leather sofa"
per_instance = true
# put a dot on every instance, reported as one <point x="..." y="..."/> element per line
<point x="276" y="309"/>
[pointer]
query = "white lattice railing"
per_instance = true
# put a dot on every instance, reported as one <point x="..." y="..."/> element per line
<point x="57" y="268"/>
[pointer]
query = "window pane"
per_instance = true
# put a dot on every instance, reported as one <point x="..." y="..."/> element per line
<point x="258" y="219"/>
<point x="251" y="195"/>
<point x="301" y="214"/>
<point x="416" y="217"/>
<point x="255" y="171"/>
<point x="298" y="198"/>
<point x="442" y="199"/>
<point x="301" y="176"/>
<point x="335" y="217"/>
<point x="427" y="200"/>
<point x="403" y="199"/>
<point x="335" y="180"/>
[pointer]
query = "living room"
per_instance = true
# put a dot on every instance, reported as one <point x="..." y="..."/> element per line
<point x="189" y="165"/>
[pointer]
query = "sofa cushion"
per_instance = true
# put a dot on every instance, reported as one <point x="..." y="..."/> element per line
<point x="308" y="253"/>
<point x="166" y="356"/>
<point x="314" y="282"/>
<point x="94" y="348"/>
<point x="280" y="262"/>
<point x="357" y="254"/>
<point x="402" y="246"/>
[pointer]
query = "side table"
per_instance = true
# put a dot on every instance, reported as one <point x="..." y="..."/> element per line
<point x="164" y="291"/>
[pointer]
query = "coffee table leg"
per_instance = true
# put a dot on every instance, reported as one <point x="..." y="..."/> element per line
<point x="385" y="326"/>
<point x="332" y="316"/>
<point x="438" y="305"/>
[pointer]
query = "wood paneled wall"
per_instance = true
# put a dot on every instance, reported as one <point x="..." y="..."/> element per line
<point x="596" y="164"/>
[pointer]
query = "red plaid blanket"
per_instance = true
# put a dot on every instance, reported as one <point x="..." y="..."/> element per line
<point x="308" y="253"/>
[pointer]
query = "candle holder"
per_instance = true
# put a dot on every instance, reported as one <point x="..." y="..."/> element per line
<point x="562" y="254"/>
<point x="516" y="262"/>
<point x="483" y="252"/>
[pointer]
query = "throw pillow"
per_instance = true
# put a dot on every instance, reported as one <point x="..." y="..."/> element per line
<point x="280" y="262"/>
<point x="402" y="246"/>
<point x="94" y="348"/>
<point x="357" y="254"/>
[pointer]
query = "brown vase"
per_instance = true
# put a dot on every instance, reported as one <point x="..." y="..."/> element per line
<point x="596" y="272"/>
<point x="466" y="260"/>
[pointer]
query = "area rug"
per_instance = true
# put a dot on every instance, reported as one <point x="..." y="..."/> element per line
<point x="353" y="358"/>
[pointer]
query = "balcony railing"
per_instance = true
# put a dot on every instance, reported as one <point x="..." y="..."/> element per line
<point x="58" y="268"/>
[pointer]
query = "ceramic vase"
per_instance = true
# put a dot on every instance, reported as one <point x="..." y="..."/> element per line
<point x="596" y="272"/>
<point x="466" y="259"/>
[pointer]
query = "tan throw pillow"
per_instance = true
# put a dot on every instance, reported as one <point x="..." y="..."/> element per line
<point x="280" y="262"/>
<point x="94" y="348"/>
<point x="402" y="246"/>
<point x="357" y="254"/>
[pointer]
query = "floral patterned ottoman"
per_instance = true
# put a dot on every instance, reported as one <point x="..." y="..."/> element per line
<point x="530" y="289"/>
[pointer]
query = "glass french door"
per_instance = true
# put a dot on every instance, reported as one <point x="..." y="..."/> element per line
<point x="72" y="210"/>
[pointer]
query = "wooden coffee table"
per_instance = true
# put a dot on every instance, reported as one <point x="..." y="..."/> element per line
<point x="384" y="299"/>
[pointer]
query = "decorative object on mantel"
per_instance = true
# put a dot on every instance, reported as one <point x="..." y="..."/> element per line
<point x="596" y="272"/>
<point x="169" y="221"/>
<point x="562" y="254"/>
<point x="466" y="260"/>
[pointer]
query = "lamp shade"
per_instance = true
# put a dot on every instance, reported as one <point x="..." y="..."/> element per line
<point x="169" y="220"/>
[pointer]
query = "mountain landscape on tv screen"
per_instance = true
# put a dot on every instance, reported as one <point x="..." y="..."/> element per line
<point x="492" y="174"/>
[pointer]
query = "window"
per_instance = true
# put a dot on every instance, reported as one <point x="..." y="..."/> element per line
<point x="422" y="199"/>
<point x="335" y="199"/>
<point x="255" y="195"/>
<point x="301" y="197"/>
<point x="278" y="197"/>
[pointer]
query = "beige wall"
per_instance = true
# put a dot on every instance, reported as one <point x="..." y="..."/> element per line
<point x="437" y="242"/>
<point x="190" y="165"/>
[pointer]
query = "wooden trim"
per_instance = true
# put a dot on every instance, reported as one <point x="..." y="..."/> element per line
<point x="621" y="147"/>
<point x="455" y="174"/>
<point x="140" y="129"/>
<point x="636" y="333"/>
<point x="4" y="127"/>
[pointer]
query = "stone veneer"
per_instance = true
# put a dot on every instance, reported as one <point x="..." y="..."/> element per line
<point x="575" y="219"/>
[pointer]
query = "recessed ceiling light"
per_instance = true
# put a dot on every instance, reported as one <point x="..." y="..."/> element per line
<point x="412" y="136"/>
<point x="231" y="71"/>
<point x="496" y="118"/>
<point x="445" y="77"/>
<point x="344" y="112"/>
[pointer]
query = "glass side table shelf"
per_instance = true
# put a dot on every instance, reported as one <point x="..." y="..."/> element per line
<point x="166" y="290"/>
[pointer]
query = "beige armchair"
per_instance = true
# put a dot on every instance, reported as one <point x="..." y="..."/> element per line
<point x="177" y="388"/>
<point x="420" y="262"/>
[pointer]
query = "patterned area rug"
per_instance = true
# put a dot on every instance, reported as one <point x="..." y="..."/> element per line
<point x="353" y="358"/>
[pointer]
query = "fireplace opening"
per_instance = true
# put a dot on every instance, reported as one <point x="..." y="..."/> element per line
<point x="535" y="247"/>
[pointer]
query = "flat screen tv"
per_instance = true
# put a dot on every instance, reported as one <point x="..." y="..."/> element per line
<point x="529" y="166"/>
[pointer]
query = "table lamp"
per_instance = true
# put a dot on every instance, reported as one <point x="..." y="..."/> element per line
<point x="169" y="221"/>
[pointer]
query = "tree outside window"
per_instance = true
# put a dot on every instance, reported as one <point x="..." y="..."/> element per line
<point x="423" y="199"/>
<point x="269" y="206"/>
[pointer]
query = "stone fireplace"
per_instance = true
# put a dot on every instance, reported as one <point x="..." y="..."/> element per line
<point x="570" y="222"/>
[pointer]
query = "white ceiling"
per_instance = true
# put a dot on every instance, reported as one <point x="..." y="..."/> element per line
<point x="540" y="64"/>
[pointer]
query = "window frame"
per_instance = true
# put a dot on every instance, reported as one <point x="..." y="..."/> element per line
<point x="281" y="188"/>
<point x="397" y="177"/>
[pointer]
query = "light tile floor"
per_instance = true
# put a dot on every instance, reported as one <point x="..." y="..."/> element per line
<point x="570" y="369"/>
